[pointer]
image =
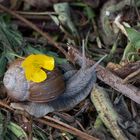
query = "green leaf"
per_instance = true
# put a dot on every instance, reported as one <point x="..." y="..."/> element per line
<point x="3" y="62"/>
<point x="134" y="37"/>
<point x="17" y="131"/>
<point x="64" y="17"/>
<point x="1" y="125"/>
<point x="89" y="13"/>
<point x="31" y="50"/>
<point x="11" y="40"/>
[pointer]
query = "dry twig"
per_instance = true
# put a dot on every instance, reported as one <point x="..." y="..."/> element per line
<point x="65" y="127"/>
<point x="130" y="76"/>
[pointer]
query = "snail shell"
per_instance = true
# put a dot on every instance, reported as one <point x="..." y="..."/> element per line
<point x="20" y="89"/>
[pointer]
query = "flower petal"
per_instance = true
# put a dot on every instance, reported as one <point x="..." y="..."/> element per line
<point x="39" y="76"/>
<point x="28" y="61"/>
<point x="35" y="75"/>
<point x="47" y="62"/>
<point x="28" y="72"/>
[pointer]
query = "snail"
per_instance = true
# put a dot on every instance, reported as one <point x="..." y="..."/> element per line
<point x="76" y="87"/>
<point x="20" y="89"/>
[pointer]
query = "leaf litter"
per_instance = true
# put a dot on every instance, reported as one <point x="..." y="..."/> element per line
<point x="113" y="111"/>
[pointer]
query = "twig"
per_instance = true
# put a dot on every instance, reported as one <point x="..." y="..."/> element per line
<point x="33" y="26"/>
<point x="36" y="13"/>
<point x="65" y="127"/>
<point x="6" y="106"/>
<point x="70" y="119"/>
<point x="116" y="83"/>
<point x="131" y="76"/>
<point x="119" y="25"/>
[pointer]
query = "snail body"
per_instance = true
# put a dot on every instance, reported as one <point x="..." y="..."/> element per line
<point x="20" y="89"/>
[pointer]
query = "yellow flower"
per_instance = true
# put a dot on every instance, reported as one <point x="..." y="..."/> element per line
<point x="33" y="65"/>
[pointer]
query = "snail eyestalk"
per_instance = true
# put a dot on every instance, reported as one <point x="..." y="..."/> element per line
<point x="83" y="53"/>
